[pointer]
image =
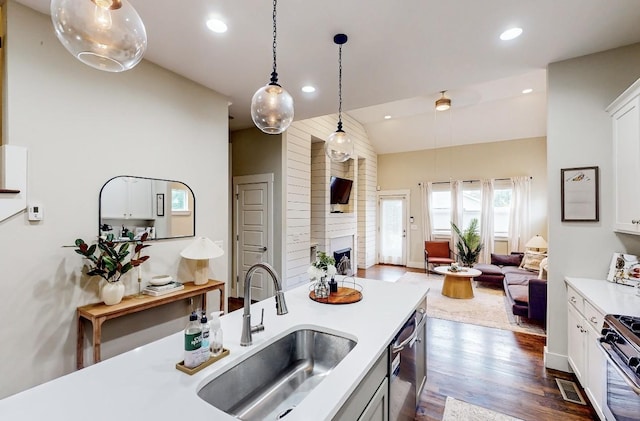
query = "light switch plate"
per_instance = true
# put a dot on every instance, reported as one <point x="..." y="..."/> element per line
<point x="35" y="212"/>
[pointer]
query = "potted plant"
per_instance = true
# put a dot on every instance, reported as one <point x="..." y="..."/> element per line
<point x="469" y="244"/>
<point x="108" y="260"/>
<point x="324" y="266"/>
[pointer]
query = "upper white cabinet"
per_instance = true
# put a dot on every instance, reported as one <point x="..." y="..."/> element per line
<point x="127" y="198"/>
<point x="625" y="115"/>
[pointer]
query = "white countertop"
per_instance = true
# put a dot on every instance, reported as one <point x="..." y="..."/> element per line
<point x="607" y="297"/>
<point x="144" y="383"/>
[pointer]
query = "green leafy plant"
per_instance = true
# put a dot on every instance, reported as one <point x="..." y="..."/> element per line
<point x="469" y="244"/>
<point x="323" y="266"/>
<point x="109" y="258"/>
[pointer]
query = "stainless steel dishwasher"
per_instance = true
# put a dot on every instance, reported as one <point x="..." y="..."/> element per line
<point x="407" y="367"/>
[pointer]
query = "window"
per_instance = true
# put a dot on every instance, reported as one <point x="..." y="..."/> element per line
<point x="471" y="207"/>
<point x="179" y="200"/>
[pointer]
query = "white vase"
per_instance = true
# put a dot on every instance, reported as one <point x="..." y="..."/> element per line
<point x="112" y="293"/>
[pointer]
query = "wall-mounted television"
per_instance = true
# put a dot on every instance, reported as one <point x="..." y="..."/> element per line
<point x="340" y="190"/>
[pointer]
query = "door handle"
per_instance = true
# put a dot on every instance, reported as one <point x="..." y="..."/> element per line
<point x="263" y="248"/>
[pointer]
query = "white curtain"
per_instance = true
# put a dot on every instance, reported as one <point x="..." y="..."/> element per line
<point x="519" y="213"/>
<point x="456" y="211"/>
<point x="425" y="209"/>
<point x="486" y="221"/>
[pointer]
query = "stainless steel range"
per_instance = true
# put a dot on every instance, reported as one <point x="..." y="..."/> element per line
<point x="621" y="342"/>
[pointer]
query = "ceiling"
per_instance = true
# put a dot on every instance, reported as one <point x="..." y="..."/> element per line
<point x="399" y="56"/>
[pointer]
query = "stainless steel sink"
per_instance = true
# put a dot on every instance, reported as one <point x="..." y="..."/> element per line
<point x="270" y="383"/>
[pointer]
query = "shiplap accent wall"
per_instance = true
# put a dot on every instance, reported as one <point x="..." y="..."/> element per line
<point x="298" y="149"/>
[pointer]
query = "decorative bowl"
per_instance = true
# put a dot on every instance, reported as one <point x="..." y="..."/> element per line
<point x="160" y="280"/>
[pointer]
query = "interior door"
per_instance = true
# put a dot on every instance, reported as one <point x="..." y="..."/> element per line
<point x="253" y="242"/>
<point x="392" y="247"/>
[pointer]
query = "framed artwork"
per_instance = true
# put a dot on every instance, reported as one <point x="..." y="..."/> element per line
<point x="624" y="269"/>
<point x="160" y="204"/>
<point x="579" y="194"/>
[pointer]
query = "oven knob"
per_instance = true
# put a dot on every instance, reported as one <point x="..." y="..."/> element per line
<point x="609" y="336"/>
<point x="634" y="363"/>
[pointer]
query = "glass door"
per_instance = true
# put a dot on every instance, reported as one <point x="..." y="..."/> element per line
<point x="393" y="230"/>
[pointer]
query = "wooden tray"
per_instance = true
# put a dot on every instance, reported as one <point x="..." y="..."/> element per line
<point x="180" y="366"/>
<point x="345" y="295"/>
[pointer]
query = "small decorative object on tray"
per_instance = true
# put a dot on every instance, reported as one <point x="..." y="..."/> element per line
<point x="348" y="292"/>
<point x="156" y="290"/>
<point x="180" y="366"/>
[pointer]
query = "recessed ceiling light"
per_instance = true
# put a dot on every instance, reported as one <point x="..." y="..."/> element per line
<point x="387" y="117"/>
<point x="527" y="91"/>
<point x="510" y="34"/>
<point x="308" y="89"/>
<point x="217" y="26"/>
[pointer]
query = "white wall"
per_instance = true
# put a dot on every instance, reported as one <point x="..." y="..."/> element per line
<point x="82" y="127"/>
<point x="580" y="134"/>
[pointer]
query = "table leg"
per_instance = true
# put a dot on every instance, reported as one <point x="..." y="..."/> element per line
<point x="97" y="337"/>
<point x="80" y="344"/>
<point x="457" y="287"/>
<point x="222" y="298"/>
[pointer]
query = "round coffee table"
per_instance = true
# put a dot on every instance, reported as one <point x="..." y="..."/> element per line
<point x="457" y="284"/>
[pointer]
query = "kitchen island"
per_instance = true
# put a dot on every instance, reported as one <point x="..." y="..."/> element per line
<point x="144" y="383"/>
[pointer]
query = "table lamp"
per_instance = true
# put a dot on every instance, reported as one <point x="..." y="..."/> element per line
<point x="537" y="243"/>
<point x="201" y="250"/>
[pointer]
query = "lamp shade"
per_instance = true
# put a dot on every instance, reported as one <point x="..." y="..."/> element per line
<point x="536" y="242"/>
<point x="105" y="34"/>
<point x="202" y="249"/>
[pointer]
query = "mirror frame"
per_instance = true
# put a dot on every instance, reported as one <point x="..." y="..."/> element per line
<point x="193" y="212"/>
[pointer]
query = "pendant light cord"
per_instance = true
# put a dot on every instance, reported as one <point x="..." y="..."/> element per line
<point x="274" y="74"/>
<point x="340" y="88"/>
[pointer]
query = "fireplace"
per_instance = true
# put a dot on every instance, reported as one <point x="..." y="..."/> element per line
<point x="343" y="261"/>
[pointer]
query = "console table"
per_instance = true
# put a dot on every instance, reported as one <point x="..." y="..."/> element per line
<point x="98" y="313"/>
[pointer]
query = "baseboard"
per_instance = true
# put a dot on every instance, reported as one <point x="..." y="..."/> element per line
<point x="556" y="361"/>
<point x="416" y="265"/>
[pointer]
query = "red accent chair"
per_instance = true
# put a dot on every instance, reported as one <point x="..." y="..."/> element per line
<point x="437" y="253"/>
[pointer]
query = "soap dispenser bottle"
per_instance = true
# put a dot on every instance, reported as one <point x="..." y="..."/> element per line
<point x="204" y="348"/>
<point x="192" y="342"/>
<point x="215" y="335"/>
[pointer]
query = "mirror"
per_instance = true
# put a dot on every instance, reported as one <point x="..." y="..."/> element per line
<point x="163" y="208"/>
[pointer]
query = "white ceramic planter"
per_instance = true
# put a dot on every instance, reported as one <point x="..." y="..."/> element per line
<point x="112" y="293"/>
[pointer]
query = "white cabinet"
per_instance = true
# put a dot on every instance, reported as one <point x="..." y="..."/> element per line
<point x="127" y="198"/>
<point x="584" y="354"/>
<point x="625" y="115"/>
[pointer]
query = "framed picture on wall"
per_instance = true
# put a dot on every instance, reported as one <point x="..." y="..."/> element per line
<point x="160" y="204"/>
<point x="579" y="194"/>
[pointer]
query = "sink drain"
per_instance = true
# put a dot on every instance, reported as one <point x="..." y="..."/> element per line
<point x="284" y="413"/>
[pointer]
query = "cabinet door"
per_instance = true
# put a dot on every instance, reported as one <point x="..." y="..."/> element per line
<point x="596" y="365"/>
<point x="626" y="155"/>
<point x="378" y="407"/>
<point x="575" y="346"/>
<point x="141" y="199"/>
<point x="114" y="198"/>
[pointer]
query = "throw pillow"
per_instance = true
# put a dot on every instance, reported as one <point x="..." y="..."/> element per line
<point x="506" y="259"/>
<point x="531" y="260"/>
<point x="544" y="267"/>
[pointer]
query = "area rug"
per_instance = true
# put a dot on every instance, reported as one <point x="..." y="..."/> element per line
<point x="487" y="308"/>
<point x="455" y="410"/>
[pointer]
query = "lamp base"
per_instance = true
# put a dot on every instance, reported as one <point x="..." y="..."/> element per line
<point x="201" y="274"/>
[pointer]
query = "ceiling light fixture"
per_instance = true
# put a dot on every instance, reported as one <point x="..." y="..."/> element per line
<point x="271" y="105"/>
<point x="217" y="26"/>
<point x="510" y="34"/>
<point x="387" y="117"/>
<point x="527" y="91"/>
<point x="443" y="103"/>
<point x="105" y="34"/>
<point x="308" y="89"/>
<point x="339" y="146"/>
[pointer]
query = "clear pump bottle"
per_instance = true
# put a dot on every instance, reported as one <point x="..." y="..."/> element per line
<point x="215" y="334"/>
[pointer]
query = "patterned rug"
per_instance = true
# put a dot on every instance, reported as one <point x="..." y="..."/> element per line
<point x="488" y="307"/>
<point x="455" y="410"/>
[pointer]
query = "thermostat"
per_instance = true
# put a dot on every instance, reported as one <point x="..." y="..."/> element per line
<point x="35" y="212"/>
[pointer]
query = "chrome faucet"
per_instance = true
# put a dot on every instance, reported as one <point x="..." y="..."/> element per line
<point x="281" y="305"/>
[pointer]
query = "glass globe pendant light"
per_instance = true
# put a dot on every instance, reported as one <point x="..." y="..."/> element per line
<point x="339" y="146"/>
<point x="271" y="105"/>
<point x="105" y="34"/>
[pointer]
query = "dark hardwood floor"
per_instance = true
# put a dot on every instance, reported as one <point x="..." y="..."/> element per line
<point x="496" y="369"/>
